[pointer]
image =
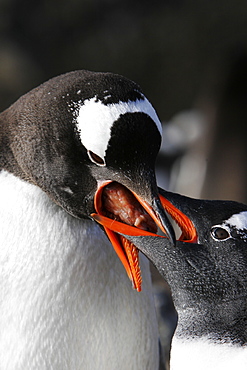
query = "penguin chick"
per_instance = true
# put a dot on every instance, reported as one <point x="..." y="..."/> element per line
<point x="207" y="274"/>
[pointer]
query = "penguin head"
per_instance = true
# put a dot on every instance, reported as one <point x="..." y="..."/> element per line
<point x="80" y="135"/>
<point x="209" y="262"/>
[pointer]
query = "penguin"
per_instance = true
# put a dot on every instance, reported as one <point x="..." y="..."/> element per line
<point x="79" y="143"/>
<point x="207" y="275"/>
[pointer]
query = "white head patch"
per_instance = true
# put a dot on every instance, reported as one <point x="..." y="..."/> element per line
<point x="95" y="119"/>
<point x="239" y="221"/>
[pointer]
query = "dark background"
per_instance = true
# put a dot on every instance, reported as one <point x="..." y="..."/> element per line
<point x="185" y="54"/>
<point x="190" y="58"/>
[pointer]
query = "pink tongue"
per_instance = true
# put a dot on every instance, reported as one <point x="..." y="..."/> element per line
<point x="121" y="205"/>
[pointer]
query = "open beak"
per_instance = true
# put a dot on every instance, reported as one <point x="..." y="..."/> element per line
<point x="188" y="230"/>
<point x="152" y="218"/>
<point x="121" y="211"/>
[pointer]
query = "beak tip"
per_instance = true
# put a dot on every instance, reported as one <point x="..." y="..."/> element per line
<point x="167" y="227"/>
<point x="171" y="235"/>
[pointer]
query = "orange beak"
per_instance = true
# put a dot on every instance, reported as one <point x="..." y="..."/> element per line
<point x="189" y="233"/>
<point x="126" y="250"/>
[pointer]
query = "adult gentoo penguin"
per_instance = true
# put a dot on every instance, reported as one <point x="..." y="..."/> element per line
<point x="81" y="142"/>
<point x="207" y="274"/>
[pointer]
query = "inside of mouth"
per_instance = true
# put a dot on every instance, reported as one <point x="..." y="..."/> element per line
<point x="114" y="201"/>
<point x="118" y="203"/>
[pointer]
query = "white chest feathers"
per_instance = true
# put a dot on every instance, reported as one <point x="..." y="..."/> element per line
<point x="200" y="354"/>
<point x="65" y="300"/>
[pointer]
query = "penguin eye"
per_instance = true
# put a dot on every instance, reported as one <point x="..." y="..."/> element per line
<point x="219" y="233"/>
<point x="96" y="158"/>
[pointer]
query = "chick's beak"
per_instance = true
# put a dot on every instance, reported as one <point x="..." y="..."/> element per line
<point x="120" y="210"/>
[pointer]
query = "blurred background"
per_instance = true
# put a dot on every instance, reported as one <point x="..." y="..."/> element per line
<point x="189" y="57"/>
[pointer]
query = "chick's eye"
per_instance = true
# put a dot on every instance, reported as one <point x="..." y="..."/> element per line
<point x="219" y="233"/>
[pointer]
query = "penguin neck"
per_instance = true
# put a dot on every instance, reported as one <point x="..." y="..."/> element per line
<point x="66" y="301"/>
<point x="211" y="336"/>
<point x="220" y="321"/>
